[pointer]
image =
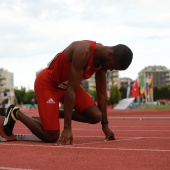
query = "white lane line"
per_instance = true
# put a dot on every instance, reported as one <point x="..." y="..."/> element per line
<point x="125" y="139"/>
<point x="119" y="149"/>
<point x="78" y="146"/>
<point x="140" y="118"/>
<point x="10" y="168"/>
<point x="92" y="148"/>
<point x="76" y="129"/>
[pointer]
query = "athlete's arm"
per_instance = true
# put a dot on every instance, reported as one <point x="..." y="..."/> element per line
<point x="79" y="60"/>
<point x="100" y="78"/>
<point x="102" y="102"/>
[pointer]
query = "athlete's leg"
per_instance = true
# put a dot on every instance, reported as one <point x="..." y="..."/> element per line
<point x="90" y="115"/>
<point x="48" y="107"/>
<point x="47" y="96"/>
<point x="13" y="113"/>
<point x="35" y="126"/>
<point x="85" y="108"/>
<point x="48" y="128"/>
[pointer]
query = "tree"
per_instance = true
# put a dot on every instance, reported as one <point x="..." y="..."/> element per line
<point x="24" y="96"/>
<point x="156" y="93"/>
<point x="115" y="95"/>
<point x="123" y="91"/>
<point x="165" y="91"/>
<point x="162" y="92"/>
<point x="93" y="94"/>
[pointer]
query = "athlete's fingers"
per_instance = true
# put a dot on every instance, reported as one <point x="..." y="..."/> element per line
<point x="110" y="138"/>
<point x="65" y="140"/>
<point x="61" y="140"/>
<point x="71" y="141"/>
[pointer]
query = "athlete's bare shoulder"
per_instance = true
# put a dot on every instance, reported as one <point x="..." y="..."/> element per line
<point x="79" y="48"/>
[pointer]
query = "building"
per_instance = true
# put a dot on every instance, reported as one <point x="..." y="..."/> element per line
<point x="124" y="82"/>
<point x="160" y="74"/>
<point x="168" y="78"/>
<point x="85" y="84"/>
<point x="112" y="78"/>
<point x="6" y="80"/>
<point x="6" y="84"/>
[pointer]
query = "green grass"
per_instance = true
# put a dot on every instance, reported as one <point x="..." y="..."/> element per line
<point x="28" y="105"/>
<point x="159" y="107"/>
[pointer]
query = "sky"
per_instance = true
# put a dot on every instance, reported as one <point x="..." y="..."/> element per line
<point x="33" y="32"/>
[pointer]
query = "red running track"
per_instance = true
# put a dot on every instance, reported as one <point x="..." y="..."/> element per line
<point x="139" y="144"/>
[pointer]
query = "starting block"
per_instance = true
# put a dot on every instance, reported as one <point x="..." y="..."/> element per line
<point x="21" y="137"/>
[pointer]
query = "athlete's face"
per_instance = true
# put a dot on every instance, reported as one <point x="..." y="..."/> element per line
<point x="110" y="65"/>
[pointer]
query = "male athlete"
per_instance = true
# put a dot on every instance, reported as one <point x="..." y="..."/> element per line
<point x="60" y="82"/>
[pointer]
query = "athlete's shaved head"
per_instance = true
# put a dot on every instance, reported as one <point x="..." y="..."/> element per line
<point x="122" y="55"/>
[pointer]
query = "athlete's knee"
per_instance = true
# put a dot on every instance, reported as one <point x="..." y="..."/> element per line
<point x="50" y="137"/>
<point x="50" y="140"/>
<point x="96" y="119"/>
<point x="93" y="114"/>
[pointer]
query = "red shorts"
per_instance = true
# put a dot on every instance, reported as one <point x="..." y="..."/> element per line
<point x="48" y="97"/>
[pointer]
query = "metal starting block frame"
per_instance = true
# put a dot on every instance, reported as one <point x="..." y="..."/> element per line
<point x="21" y="137"/>
<point x="15" y="137"/>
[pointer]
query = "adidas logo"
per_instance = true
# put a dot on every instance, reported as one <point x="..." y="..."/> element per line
<point x="50" y="101"/>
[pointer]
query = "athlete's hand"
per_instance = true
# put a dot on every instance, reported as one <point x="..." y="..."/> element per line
<point x="108" y="133"/>
<point x="66" y="137"/>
